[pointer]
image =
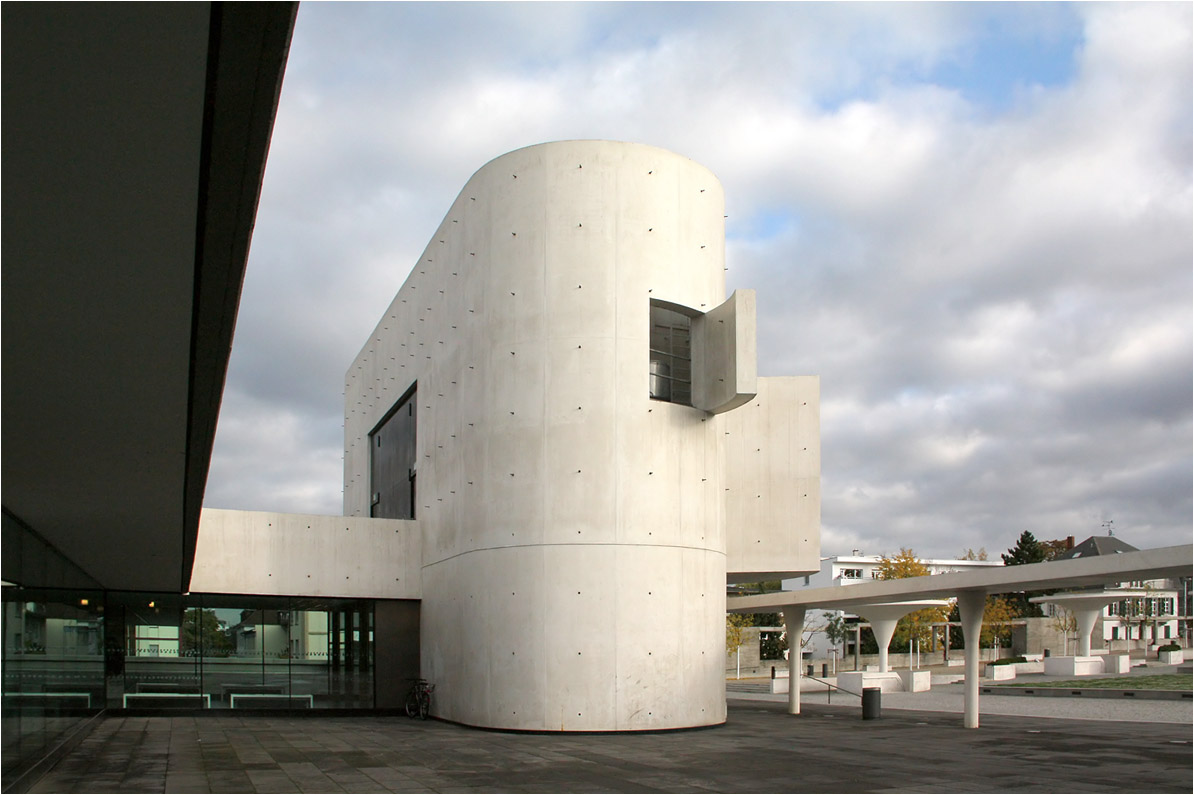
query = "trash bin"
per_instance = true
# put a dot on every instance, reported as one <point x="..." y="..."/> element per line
<point x="870" y="703"/>
<point x="824" y="670"/>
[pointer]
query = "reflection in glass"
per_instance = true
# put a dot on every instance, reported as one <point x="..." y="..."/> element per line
<point x="53" y="670"/>
<point x="67" y="654"/>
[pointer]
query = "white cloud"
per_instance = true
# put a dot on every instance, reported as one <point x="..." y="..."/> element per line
<point x="997" y="298"/>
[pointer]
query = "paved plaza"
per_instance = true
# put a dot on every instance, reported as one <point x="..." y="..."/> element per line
<point x="759" y="749"/>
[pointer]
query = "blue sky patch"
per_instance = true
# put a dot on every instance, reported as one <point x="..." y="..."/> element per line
<point x="996" y="67"/>
<point x="1007" y="50"/>
<point x="766" y="223"/>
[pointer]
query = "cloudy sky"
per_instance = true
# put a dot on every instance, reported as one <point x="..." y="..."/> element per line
<point x="972" y="220"/>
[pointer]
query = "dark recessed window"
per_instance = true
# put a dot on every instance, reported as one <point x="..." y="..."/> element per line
<point x="392" y="463"/>
<point x="671" y="356"/>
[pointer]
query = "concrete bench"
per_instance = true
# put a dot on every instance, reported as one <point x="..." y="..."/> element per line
<point x="168" y="688"/>
<point x="1117" y="664"/>
<point x="1073" y="666"/>
<point x="916" y="681"/>
<point x="48" y="700"/>
<point x="270" y="701"/>
<point x="856" y="681"/>
<point x="168" y="700"/>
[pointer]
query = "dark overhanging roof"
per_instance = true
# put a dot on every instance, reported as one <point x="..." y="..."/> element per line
<point x="135" y="138"/>
<point x="1097" y="545"/>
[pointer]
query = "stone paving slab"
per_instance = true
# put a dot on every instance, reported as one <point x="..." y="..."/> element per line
<point x="760" y="749"/>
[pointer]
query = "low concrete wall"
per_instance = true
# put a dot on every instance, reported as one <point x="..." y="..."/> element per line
<point x="855" y="681"/>
<point x="1117" y="664"/>
<point x="1073" y="666"/>
<point x="1001" y="672"/>
<point x="289" y="554"/>
<point x="916" y="681"/>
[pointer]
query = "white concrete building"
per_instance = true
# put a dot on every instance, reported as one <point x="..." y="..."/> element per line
<point x="564" y="401"/>
<point x="557" y="451"/>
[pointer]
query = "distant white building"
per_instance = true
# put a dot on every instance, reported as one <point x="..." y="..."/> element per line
<point x="1154" y="618"/>
<point x="855" y="568"/>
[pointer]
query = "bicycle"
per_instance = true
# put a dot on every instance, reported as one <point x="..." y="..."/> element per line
<point x="418" y="700"/>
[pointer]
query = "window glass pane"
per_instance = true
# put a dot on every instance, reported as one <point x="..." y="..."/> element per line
<point x="53" y="670"/>
<point x="148" y="664"/>
<point x="349" y="681"/>
<point x="246" y="662"/>
<point x="670" y="356"/>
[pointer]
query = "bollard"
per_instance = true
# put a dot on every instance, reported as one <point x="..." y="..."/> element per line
<point x="773" y="672"/>
<point x="870" y="703"/>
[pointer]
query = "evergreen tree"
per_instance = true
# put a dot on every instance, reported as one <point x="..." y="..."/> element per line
<point x="1026" y="550"/>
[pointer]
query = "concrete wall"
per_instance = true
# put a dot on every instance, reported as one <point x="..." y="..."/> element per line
<point x="395" y="651"/>
<point x="258" y="552"/>
<point x="566" y="516"/>
<point x="725" y="354"/>
<point x="574" y="530"/>
<point x="772" y="449"/>
<point x="748" y="657"/>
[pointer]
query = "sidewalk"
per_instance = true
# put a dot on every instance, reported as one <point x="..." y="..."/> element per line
<point x="950" y="697"/>
<point x="759" y="749"/>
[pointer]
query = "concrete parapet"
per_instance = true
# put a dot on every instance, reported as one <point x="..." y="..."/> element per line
<point x="1001" y="672"/>
<point x="915" y="681"/>
<point x="1117" y="664"/>
<point x="855" y="681"/>
<point x="1073" y="666"/>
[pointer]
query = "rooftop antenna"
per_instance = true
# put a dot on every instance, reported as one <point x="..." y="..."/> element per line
<point x="1107" y="526"/>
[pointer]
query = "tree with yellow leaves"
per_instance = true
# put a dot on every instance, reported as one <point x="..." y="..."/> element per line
<point x="915" y="625"/>
<point x="735" y="622"/>
<point x="997" y="618"/>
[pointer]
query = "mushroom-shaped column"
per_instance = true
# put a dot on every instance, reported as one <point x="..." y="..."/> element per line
<point x="971" y="605"/>
<point x="794" y="626"/>
<point x="884" y="617"/>
<point x="1086" y="606"/>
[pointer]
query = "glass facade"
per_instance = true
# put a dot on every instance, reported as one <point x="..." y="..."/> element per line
<point x="230" y="652"/>
<point x="53" y="670"/>
<point x="70" y="653"/>
<point x="671" y="355"/>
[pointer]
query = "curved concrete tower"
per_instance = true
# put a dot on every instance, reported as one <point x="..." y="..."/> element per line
<point x="574" y="523"/>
